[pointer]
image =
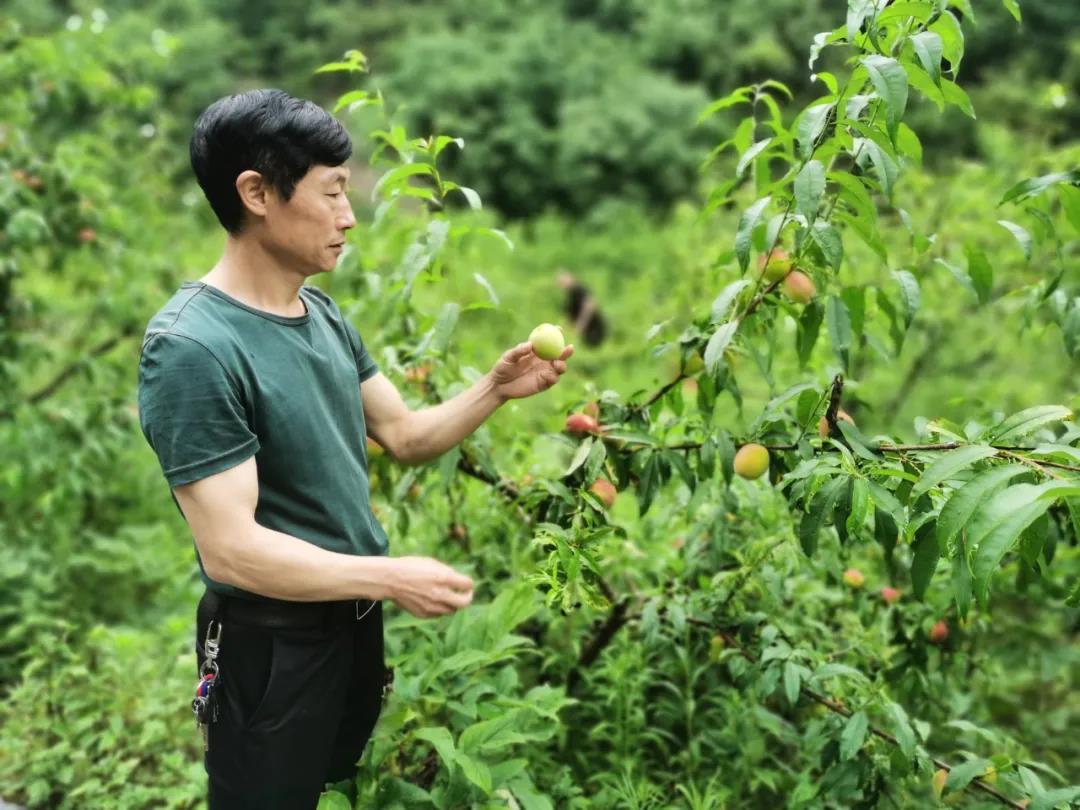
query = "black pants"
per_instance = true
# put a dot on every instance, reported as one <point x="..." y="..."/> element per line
<point x="298" y="705"/>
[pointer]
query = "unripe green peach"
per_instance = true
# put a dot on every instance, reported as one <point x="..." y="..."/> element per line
<point x="547" y="341"/>
<point x="940" y="775"/>
<point x="694" y="364"/>
<point x="798" y="287"/>
<point x="374" y="449"/>
<point x="751" y="461"/>
<point x="854" y="578"/>
<point x="780" y="264"/>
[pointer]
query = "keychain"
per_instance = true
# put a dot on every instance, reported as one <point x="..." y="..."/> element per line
<point x="205" y="705"/>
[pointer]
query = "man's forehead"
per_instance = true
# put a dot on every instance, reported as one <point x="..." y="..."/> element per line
<point x="331" y="174"/>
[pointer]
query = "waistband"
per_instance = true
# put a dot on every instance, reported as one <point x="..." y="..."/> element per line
<point x="281" y="613"/>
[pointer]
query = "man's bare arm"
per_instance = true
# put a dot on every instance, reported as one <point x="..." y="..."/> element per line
<point x="235" y="550"/>
<point x="412" y="437"/>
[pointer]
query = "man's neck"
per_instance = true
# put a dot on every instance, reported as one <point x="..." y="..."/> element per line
<point x="252" y="276"/>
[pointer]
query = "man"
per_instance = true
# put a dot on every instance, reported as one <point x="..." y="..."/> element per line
<point x="256" y="395"/>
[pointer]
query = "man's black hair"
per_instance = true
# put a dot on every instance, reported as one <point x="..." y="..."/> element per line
<point x="268" y="131"/>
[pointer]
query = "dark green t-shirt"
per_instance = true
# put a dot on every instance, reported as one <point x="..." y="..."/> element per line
<point x="220" y="381"/>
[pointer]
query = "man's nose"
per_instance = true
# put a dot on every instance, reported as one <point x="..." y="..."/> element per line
<point x="346" y="219"/>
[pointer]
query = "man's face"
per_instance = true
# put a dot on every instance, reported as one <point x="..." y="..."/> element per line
<point x="308" y="231"/>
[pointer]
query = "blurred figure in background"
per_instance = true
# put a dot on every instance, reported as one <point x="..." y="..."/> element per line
<point x="581" y="308"/>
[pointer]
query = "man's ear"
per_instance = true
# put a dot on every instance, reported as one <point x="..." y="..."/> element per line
<point x="253" y="191"/>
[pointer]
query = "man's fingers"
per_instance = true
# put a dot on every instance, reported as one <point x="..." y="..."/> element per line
<point x="518" y="352"/>
<point x="567" y="352"/>
<point x="458" y="581"/>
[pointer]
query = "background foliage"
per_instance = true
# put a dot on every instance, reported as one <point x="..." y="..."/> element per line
<point x="689" y="652"/>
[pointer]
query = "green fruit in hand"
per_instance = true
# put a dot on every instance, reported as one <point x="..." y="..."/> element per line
<point x="798" y="287"/>
<point x="780" y="264"/>
<point x="547" y="341"/>
<point x="751" y="461"/>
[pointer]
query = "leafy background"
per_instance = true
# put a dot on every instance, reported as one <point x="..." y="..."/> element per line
<point x="682" y="649"/>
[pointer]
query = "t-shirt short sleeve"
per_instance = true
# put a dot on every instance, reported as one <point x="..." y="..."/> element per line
<point x="190" y="410"/>
<point x="365" y="364"/>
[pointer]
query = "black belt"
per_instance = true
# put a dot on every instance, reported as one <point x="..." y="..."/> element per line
<point x="280" y="613"/>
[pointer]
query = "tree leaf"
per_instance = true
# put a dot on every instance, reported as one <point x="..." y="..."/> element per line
<point x="960" y="776"/>
<point x="890" y="82"/>
<point x="1026" y="421"/>
<point x="714" y="349"/>
<point x="808" y="328"/>
<point x="902" y="730"/>
<point x="749" y="155"/>
<point x="475" y="771"/>
<point x="750" y="218"/>
<point x="839" y="325"/>
<point x="725" y="299"/>
<point x="830" y="242"/>
<point x="811" y="124"/>
<point x="928" y="47"/>
<point x="1037" y="185"/>
<point x="821" y="506"/>
<point x="1022" y="236"/>
<point x="854" y="735"/>
<point x="909" y="293"/>
<point x="980" y="272"/>
<point x="440" y="738"/>
<point x="964" y="501"/>
<point x="946" y="466"/>
<point x="809" y="188"/>
<point x="924" y="561"/>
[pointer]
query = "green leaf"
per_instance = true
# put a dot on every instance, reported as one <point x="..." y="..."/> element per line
<point x="475" y="771"/>
<point x="952" y="38"/>
<point x="957" y="96"/>
<point x="1037" y="185"/>
<point x="726" y="298"/>
<point x="928" y="48"/>
<point x="1070" y="203"/>
<point x="579" y="457"/>
<point x="1013" y="8"/>
<point x="909" y="293"/>
<point x="810" y="126"/>
<point x="334" y="800"/>
<point x="961" y="582"/>
<point x="860" y="506"/>
<point x="980" y="272"/>
<point x="960" y="776"/>
<point x="1027" y="421"/>
<point x="821" y="506"/>
<point x="839" y="325"/>
<point x="902" y="730"/>
<point x="854" y="735"/>
<point x="1021" y="234"/>
<point x="885" y="168"/>
<point x="791" y="682"/>
<point x="714" y="349"/>
<point x="962" y="504"/>
<point x="440" y="738"/>
<point x="749" y="155"/>
<point x="808" y="328"/>
<point x="1021" y="506"/>
<point x="886" y="501"/>
<point x="924" y="562"/>
<point x="828" y="239"/>
<point x="742" y="95"/>
<point x="750" y="218"/>
<point x="890" y="82"/>
<point x="809" y="188"/>
<point x="947" y="465"/>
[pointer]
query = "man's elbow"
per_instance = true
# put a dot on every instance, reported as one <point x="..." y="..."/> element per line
<point x="396" y="441"/>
